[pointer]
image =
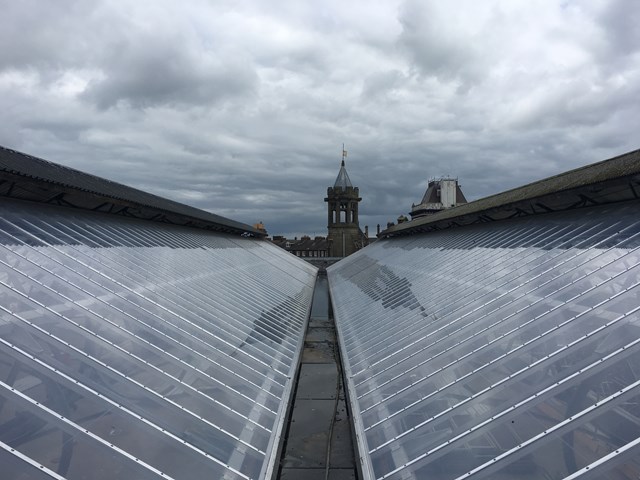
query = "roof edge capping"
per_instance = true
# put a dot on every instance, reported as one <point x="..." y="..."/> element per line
<point x="608" y="181"/>
<point x="28" y="178"/>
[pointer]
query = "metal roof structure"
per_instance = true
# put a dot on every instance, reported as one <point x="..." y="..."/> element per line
<point x="139" y="349"/>
<point x="502" y="349"/>
<point x="26" y="177"/>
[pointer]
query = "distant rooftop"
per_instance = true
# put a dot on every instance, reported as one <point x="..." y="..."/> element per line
<point x="442" y="193"/>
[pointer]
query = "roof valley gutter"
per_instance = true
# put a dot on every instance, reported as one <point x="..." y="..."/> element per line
<point x="276" y="442"/>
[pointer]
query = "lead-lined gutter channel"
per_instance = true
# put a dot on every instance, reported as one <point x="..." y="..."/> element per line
<point x="318" y="443"/>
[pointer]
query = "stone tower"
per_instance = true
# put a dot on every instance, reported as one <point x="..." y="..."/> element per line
<point x="344" y="235"/>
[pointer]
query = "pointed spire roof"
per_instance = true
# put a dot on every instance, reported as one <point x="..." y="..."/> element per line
<point x="343" y="180"/>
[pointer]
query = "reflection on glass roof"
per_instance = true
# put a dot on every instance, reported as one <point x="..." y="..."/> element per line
<point x="132" y="349"/>
<point x="507" y="350"/>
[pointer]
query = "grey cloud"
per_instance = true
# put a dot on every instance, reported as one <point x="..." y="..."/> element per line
<point x="67" y="131"/>
<point x="155" y="71"/>
<point x="34" y="33"/>
<point x="620" y="20"/>
<point x="127" y="61"/>
<point x="435" y="46"/>
<point x="577" y="103"/>
<point x="378" y="85"/>
<point x="310" y="60"/>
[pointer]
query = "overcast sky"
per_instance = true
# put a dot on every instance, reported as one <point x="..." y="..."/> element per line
<point x="241" y="107"/>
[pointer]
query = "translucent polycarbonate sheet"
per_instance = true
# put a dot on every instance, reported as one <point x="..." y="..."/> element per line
<point x="132" y="349"/>
<point x="502" y="350"/>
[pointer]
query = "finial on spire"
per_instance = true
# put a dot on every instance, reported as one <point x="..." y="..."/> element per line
<point x="343" y="178"/>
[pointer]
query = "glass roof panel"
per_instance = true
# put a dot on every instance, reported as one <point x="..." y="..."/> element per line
<point x="472" y="352"/>
<point x="138" y="348"/>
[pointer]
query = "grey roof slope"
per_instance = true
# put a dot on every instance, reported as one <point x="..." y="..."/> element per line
<point x="343" y="181"/>
<point x="613" y="180"/>
<point x="30" y="178"/>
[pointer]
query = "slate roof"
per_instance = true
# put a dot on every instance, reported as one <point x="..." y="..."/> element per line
<point x="343" y="181"/>
<point x="302" y="244"/>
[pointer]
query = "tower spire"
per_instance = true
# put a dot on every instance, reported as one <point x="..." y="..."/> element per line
<point x="344" y="236"/>
<point x="343" y="180"/>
